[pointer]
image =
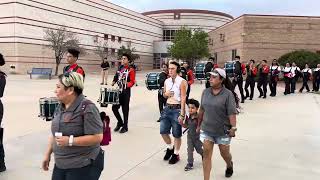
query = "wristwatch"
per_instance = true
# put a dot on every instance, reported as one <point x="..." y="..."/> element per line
<point x="234" y="128"/>
<point x="71" y="140"/>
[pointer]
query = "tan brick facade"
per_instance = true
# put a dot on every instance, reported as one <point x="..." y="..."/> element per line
<point x="265" y="37"/>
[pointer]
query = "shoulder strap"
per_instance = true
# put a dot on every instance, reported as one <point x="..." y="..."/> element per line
<point x="84" y="105"/>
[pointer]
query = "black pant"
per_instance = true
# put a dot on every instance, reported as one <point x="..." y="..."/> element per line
<point x="273" y="85"/>
<point x="162" y="101"/>
<point x="1" y="135"/>
<point x="249" y="82"/>
<point x="188" y="93"/>
<point x="238" y="82"/>
<point x="293" y="84"/>
<point x="316" y="83"/>
<point x="90" y="172"/>
<point x="263" y="82"/>
<point x="287" y="82"/>
<point x="124" y="100"/>
<point x="305" y="84"/>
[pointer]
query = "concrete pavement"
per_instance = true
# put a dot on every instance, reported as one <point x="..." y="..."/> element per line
<point x="278" y="138"/>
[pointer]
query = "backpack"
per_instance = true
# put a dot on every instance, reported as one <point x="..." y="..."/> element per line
<point x="106" y="128"/>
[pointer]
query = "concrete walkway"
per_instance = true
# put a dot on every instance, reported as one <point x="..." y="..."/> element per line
<point x="278" y="138"/>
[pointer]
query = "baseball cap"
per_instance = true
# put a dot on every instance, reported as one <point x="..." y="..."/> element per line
<point x="219" y="71"/>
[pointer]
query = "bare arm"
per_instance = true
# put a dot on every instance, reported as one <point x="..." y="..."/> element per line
<point x="183" y="97"/>
<point x="233" y="120"/>
<point x="87" y="140"/>
<point x="200" y="116"/>
<point x="50" y="144"/>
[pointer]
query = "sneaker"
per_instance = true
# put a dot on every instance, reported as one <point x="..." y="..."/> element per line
<point x="188" y="167"/>
<point x="229" y="171"/>
<point x="168" y="155"/>
<point x="123" y="130"/>
<point x="174" y="159"/>
<point x="117" y="128"/>
<point x="242" y="101"/>
<point x="2" y="167"/>
<point x="158" y="120"/>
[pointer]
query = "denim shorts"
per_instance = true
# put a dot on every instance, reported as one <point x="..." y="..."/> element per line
<point x="168" y="120"/>
<point x="224" y="140"/>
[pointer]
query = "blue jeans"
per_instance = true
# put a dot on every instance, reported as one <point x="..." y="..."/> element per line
<point x="168" y="120"/>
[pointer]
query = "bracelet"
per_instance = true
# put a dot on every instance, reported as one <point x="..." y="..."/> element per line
<point x="71" y="140"/>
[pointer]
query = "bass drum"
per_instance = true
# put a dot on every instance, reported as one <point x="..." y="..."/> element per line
<point x="152" y="81"/>
<point x="199" y="71"/>
<point x="230" y="68"/>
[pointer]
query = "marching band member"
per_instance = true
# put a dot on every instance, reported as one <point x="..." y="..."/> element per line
<point x="238" y="79"/>
<point x="306" y="75"/>
<point x="295" y="71"/>
<point x="263" y="79"/>
<point x="251" y="74"/>
<point x="287" y="74"/>
<point x="3" y="81"/>
<point x="72" y="57"/>
<point x="190" y="78"/>
<point x="274" y="77"/>
<point x="316" y="78"/>
<point x="125" y="78"/>
<point x="162" y="101"/>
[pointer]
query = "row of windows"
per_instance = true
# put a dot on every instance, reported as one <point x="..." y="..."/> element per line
<point x="168" y="35"/>
<point x="111" y="50"/>
<point x="112" y="37"/>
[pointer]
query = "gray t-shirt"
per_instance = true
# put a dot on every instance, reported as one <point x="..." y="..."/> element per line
<point x="73" y="121"/>
<point x="217" y="109"/>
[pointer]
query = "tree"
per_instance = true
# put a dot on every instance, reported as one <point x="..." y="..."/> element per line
<point x="128" y="50"/>
<point x="59" y="41"/>
<point x="300" y="57"/>
<point x="102" y="49"/>
<point x="189" y="46"/>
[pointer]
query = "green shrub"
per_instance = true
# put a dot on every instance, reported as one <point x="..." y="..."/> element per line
<point x="300" y="57"/>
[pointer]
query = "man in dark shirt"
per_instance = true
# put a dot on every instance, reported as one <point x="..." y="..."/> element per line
<point x="72" y="57"/>
<point x="104" y="73"/>
<point x="162" y="78"/>
<point x="2" y="86"/>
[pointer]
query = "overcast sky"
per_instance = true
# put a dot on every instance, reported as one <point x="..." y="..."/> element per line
<point x="232" y="7"/>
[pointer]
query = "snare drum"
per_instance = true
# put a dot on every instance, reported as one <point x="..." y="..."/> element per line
<point x="109" y="96"/>
<point x="152" y="81"/>
<point x="199" y="71"/>
<point x="47" y="107"/>
<point x="230" y="68"/>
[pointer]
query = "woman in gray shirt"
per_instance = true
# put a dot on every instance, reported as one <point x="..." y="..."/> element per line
<point x="76" y="133"/>
<point x="217" y="117"/>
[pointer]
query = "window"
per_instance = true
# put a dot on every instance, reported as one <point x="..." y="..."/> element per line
<point x="234" y="53"/>
<point x="119" y="39"/>
<point x="168" y="35"/>
<point x="210" y="41"/>
<point x="95" y="38"/>
<point x="105" y="36"/>
<point x="222" y="36"/>
<point x="106" y="50"/>
<point x="176" y="16"/>
<point x="216" y="57"/>
<point x="113" y="38"/>
<point x="113" y="51"/>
